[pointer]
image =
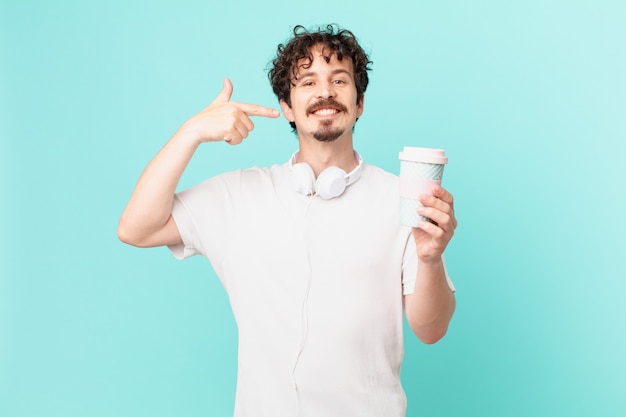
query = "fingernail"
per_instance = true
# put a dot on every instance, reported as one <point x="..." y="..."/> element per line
<point x="275" y="112"/>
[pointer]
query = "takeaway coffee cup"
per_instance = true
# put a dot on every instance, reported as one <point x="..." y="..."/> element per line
<point x="420" y="169"/>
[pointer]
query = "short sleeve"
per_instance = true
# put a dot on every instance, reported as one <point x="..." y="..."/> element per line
<point x="185" y="224"/>
<point x="204" y="216"/>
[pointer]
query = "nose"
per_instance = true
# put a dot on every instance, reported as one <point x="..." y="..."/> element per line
<point x="326" y="90"/>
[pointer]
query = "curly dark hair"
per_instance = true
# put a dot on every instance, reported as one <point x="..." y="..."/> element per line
<point x="335" y="41"/>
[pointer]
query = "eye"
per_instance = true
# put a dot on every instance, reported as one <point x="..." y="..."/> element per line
<point x="307" y="83"/>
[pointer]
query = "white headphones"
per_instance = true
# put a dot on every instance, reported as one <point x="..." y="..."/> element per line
<point x="331" y="182"/>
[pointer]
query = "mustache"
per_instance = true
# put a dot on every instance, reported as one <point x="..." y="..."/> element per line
<point x="324" y="104"/>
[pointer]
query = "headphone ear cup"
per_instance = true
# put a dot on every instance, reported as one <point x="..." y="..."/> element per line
<point x="303" y="178"/>
<point x="331" y="183"/>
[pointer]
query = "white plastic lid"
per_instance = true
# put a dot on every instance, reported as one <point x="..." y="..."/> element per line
<point x="425" y="155"/>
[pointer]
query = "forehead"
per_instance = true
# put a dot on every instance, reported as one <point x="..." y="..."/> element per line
<point x="322" y="59"/>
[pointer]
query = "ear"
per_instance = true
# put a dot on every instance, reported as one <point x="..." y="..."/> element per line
<point x="359" y="106"/>
<point x="287" y="111"/>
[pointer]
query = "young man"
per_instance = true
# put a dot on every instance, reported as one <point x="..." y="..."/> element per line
<point x="316" y="266"/>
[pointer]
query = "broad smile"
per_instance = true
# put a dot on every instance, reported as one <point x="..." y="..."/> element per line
<point x="326" y="108"/>
<point x="325" y="112"/>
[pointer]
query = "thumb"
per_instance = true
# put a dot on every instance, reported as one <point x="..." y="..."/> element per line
<point x="227" y="91"/>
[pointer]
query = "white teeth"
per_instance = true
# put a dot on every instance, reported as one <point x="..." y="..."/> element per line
<point x="326" y="112"/>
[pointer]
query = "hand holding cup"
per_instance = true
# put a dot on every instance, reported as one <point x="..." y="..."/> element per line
<point x="420" y="170"/>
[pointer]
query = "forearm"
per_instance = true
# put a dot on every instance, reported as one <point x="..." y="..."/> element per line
<point x="150" y="204"/>
<point x="430" y="307"/>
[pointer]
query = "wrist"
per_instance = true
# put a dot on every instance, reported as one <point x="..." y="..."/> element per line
<point x="431" y="261"/>
<point x="187" y="138"/>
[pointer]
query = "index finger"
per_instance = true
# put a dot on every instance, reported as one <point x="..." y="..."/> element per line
<point x="256" y="110"/>
<point x="443" y="194"/>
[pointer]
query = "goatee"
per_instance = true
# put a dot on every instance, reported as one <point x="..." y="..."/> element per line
<point x="326" y="133"/>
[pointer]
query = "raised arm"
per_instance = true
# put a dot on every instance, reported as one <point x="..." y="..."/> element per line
<point x="147" y="220"/>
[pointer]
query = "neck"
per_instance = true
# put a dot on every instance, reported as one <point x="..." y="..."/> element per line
<point x="321" y="155"/>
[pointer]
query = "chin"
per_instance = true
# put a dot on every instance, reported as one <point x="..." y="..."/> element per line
<point x="328" y="135"/>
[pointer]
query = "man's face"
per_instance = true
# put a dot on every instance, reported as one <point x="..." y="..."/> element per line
<point x="323" y="99"/>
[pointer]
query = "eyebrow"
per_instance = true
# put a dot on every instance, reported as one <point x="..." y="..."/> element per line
<point x="334" y="72"/>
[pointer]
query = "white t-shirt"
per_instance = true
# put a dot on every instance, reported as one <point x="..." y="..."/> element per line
<point x="316" y="287"/>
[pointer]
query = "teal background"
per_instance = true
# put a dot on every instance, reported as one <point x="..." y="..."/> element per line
<point x="527" y="97"/>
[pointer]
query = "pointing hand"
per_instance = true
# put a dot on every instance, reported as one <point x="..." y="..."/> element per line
<point x="226" y="120"/>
